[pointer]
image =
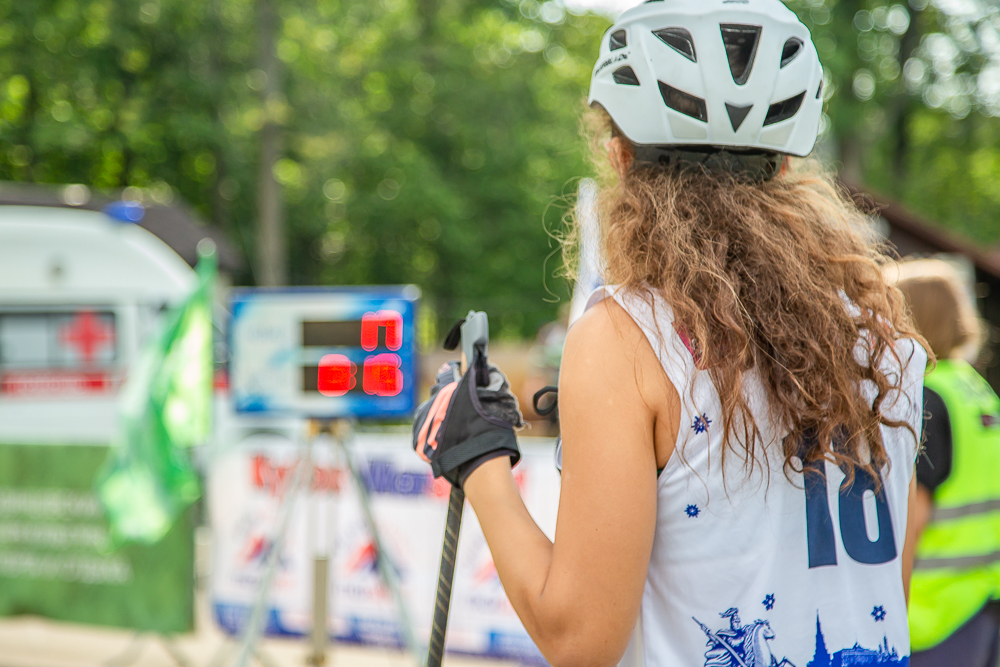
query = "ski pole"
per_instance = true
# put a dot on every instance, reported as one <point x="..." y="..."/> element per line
<point x="475" y="336"/>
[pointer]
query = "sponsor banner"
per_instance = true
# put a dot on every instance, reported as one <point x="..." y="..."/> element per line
<point x="56" y="557"/>
<point x="409" y="506"/>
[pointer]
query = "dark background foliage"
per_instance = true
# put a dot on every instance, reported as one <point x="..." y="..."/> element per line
<point x="436" y="142"/>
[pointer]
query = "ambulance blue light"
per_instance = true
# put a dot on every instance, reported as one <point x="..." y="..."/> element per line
<point x="125" y="211"/>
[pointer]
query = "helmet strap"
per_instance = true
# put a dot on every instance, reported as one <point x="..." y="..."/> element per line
<point x="749" y="167"/>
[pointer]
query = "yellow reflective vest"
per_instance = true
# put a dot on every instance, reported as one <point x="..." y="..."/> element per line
<point x="957" y="566"/>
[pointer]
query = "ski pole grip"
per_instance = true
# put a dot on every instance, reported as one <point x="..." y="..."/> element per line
<point x="476" y="336"/>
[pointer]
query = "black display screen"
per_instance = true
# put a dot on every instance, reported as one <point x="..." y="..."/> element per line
<point x="331" y="334"/>
<point x="310" y="382"/>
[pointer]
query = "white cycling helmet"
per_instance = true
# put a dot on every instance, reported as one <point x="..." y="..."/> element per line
<point x="740" y="74"/>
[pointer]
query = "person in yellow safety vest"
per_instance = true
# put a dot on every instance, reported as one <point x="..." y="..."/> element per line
<point x="953" y="610"/>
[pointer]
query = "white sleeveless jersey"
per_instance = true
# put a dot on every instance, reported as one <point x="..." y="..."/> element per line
<point x="762" y="569"/>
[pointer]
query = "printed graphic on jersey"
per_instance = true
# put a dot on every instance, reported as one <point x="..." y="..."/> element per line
<point x="701" y="423"/>
<point x="740" y="645"/>
<point x="878" y="613"/>
<point x="855" y="655"/>
<point x="768" y="601"/>
<point x="692" y="511"/>
<point x="748" y="645"/>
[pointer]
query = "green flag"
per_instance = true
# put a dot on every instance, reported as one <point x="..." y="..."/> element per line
<point x="164" y="408"/>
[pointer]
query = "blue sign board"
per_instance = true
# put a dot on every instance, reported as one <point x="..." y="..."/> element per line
<point x="324" y="352"/>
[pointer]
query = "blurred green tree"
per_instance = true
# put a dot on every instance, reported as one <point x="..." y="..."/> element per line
<point x="427" y="141"/>
<point x="423" y="141"/>
<point x="913" y="98"/>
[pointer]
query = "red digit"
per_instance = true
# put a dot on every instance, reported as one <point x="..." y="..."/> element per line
<point x="336" y="375"/>
<point x="382" y="376"/>
<point x="370" y="324"/>
<point x="369" y="331"/>
<point x="393" y="323"/>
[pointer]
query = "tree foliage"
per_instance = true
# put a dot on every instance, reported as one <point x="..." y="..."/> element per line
<point x="913" y="97"/>
<point x="435" y="141"/>
<point x="426" y="141"/>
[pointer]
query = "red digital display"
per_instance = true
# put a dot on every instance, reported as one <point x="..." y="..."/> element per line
<point x="370" y="324"/>
<point x="322" y="352"/>
<point x="382" y="376"/>
<point x="336" y="375"/>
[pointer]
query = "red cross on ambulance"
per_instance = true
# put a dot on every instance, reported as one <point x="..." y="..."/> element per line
<point x="87" y="334"/>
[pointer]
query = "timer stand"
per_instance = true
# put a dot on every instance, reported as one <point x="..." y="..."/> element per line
<point x="342" y="433"/>
<point x="327" y="355"/>
<point x="322" y="548"/>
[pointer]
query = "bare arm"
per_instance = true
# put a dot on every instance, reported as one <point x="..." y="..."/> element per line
<point x="918" y="514"/>
<point x="579" y="597"/>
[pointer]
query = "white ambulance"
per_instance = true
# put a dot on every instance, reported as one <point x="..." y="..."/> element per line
<point x="79" y="291"/>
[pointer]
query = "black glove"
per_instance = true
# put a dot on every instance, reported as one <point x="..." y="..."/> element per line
<point x="461" y="426"/>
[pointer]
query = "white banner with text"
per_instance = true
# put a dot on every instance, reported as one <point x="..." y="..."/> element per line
<point x="244" y="495"/>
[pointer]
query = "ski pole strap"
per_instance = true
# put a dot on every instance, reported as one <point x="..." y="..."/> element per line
<point x="499" y="440"/>
<point x="537" y="402"/>
<point x="464" y="425"/>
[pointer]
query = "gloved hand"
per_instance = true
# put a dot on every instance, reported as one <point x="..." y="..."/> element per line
<point x="461" y="426"/>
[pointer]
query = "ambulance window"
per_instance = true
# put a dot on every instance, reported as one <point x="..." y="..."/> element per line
<point x="24" y="340"/>
<point x="73" y="340"/>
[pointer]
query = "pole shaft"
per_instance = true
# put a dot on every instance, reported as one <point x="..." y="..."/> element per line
<point x="442" y="602"/>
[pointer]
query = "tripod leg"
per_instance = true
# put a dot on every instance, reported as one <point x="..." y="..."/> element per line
<point x="384" y="560"/>
<point x="254" y="627"/>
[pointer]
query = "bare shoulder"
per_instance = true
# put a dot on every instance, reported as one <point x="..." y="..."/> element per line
<point x="606" y="348"/>
<point x="606" y="327"/>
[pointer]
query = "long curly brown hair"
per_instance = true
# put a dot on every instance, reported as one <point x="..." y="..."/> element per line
<point x="756" y="275"/>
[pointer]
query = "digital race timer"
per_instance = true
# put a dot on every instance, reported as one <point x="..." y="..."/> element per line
<point x="324" y="352"/>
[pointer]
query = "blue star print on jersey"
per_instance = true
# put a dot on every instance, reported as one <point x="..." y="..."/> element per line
<point x="768" y="601"/>
<point x="701" y="423"/>
<point x="692" y="511"/>
<point x="749" y="645"/>
<point x="878" y="613"/>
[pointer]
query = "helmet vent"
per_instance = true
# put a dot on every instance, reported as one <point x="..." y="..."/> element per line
<point x="784" y="110"/>
<point x="741" y="48"/>
<point x="737" y="114"/>
<point x="679" y="40"/>
<point x="626" y="76"/>
<point x="617" y="40"/>
<point x="819" y="91"/>
<point x="684" y="103"/>
<point x="791" y="49"/>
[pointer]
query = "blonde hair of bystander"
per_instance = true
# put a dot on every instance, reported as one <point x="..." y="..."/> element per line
<point x="941" y="307"/>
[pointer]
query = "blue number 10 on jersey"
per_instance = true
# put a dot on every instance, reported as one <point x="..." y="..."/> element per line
<point x="819" y="524"/>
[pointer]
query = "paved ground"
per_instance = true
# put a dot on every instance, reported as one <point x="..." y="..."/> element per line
<point x="36" y="642"/>
<point x="30" y="641"/>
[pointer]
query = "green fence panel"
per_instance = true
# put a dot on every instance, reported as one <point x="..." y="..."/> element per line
<point x="55" y="555"/>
